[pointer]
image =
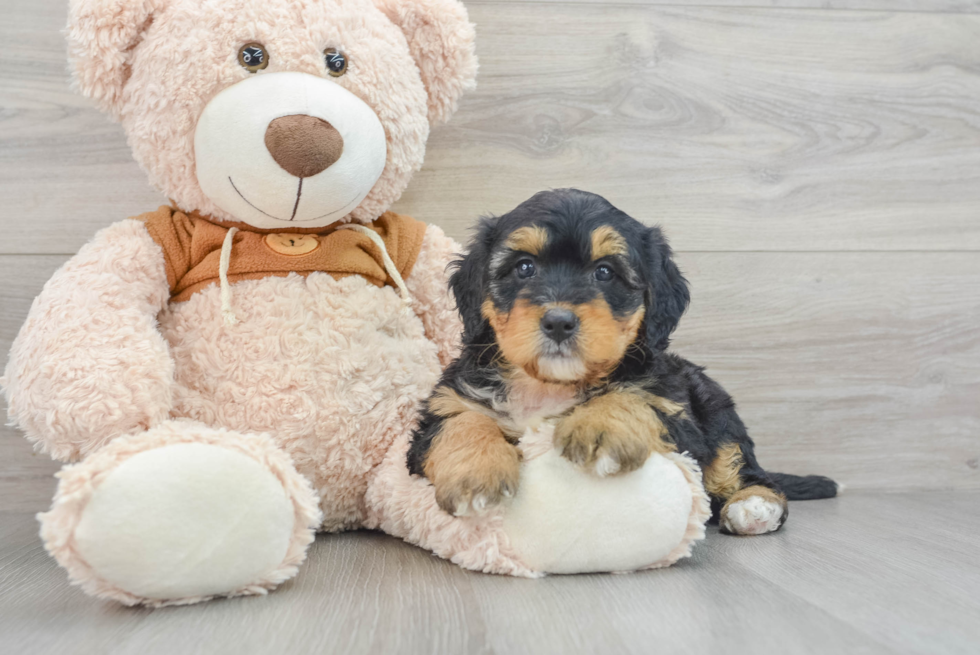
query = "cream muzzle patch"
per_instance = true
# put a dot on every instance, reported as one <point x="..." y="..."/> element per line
<point x="239" y="173"/>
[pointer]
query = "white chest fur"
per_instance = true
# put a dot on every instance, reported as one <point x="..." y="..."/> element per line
<point x="531" y="404"/>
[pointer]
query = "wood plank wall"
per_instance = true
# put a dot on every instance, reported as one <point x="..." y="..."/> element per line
<point x="815" y="163"/>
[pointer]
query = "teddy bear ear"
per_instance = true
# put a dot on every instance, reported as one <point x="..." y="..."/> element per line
<point x="101" y="35"/>
<point x="441" y="40"/>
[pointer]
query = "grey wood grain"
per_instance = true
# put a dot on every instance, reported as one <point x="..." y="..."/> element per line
<point x="844" y="576"/>
<point x="19" y="461"/>
<point x="908" y="545"/>
<point x="22" y="493"/>
<point x="743" y="129"/>
<point x="747" y="129"/>
<point x="862" y="366"/>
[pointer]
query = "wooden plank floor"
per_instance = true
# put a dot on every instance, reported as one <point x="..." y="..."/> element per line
<point x="865" y="573"/>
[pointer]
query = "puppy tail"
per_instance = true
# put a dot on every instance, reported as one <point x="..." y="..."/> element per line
<point x="805" y="487"/>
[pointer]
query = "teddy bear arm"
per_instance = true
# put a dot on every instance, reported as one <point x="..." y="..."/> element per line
<point x="89" y="363"/>
<point x="429" y="287"/>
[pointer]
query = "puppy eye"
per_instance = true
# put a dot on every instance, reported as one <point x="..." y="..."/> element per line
<point x="253" y="57"/>
<point x="336" y="61"/>
<point x="525" y="269"/>
<point x="603" y="273"/>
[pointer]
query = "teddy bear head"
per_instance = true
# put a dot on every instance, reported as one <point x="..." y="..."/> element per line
<point x="282" y="114"/>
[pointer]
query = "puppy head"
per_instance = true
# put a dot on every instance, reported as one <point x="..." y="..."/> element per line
<point x="565" y="284"/>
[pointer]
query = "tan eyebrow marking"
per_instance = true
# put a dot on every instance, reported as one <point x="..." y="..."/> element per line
<point x="607" y="242"/>
<point x="530" y="239"/>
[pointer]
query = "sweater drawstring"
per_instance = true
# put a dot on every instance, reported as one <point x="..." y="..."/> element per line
<point x="223" y="263"/>
<point x="390" y="267"/>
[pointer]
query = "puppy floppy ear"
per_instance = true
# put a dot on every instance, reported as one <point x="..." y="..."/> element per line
<point x="441" y="40"/>
<point x="667" y="291"/>
<point x="469" y="281"/>
<point x="101" y="37"/>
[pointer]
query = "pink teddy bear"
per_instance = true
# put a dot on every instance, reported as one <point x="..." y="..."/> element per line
<point x="231" y="369"/>
<point x="242" y="368"/>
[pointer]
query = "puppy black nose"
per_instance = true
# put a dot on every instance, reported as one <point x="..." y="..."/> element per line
<point x="559" y="324"/>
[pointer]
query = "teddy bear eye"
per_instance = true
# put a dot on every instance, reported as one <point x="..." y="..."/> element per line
<point x="253" y="57"/>
<point x="336" y="61"/>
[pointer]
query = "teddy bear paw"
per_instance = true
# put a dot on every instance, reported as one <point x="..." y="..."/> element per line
<point x="184" y="521"/>
<point x="162" y="518"/>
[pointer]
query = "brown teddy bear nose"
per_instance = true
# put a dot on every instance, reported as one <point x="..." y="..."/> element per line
<point x="303" y="145"/>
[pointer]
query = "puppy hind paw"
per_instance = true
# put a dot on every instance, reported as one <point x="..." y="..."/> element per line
<point x="753" y="515"/>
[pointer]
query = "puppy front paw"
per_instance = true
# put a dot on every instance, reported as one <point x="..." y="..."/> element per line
<point x="610" y="434"/>
<point x="603" y="451"/>
<point x="472" y="466"/>
<point x="478" y="485"/>
<point x="474" y="492"/>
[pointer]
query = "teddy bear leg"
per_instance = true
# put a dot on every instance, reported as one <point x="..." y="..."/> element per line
<point x="179" y="514"/>
<point x="562" y="519"/>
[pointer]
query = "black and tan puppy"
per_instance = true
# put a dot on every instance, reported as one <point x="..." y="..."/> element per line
<point x="568" y="305"/>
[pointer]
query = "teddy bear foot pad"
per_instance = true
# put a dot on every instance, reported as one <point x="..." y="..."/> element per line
<point x="178" y="521"/>
<point x="566" y="521"/>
